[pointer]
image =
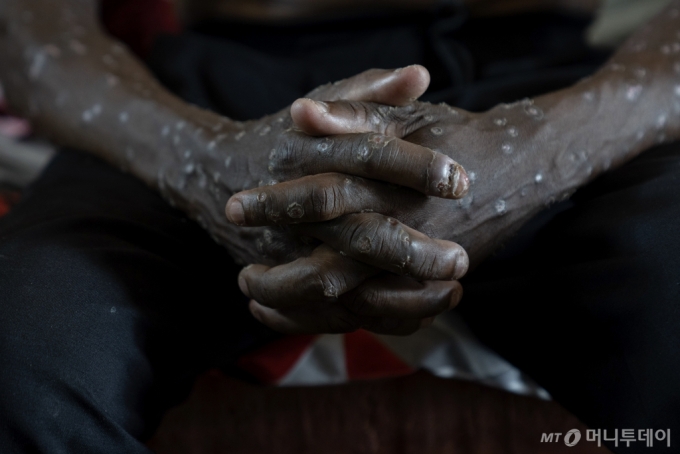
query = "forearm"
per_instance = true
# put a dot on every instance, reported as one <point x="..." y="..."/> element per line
<point x="558" y="142"/>
<point x="628" y="106"/>
<point x="82" y="89"/>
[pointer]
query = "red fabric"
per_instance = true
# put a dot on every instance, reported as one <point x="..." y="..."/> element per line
<point x="272" y="362"/>
<point x="138" y="22"/>
<point x="367" y="358"/>
<point x="7" y="199"/>
<point x="4" y="207"/>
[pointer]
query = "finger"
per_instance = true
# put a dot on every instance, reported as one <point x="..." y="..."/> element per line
<point x="317" y="198"/>
<point x="374" y="156"/>
<point x="397" y="87"/>
<point x="329" y="318"/>
<point x="321" y="118"/>
<point x="402" y="298"/>
<point x="392" y="246"/>
<point x="322" y="276"/>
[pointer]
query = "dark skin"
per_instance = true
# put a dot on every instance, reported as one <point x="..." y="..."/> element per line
<point x="84" y="90"/>
<point x="521" y="158"/>
<point x="344" y="280"/>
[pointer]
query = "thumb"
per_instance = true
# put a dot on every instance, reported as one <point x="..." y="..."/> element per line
<point x="398" y="87"/>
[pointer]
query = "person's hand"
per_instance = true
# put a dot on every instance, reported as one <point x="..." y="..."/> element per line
<point x="511" y="179"/>
<point x="379" y="302"/>
<point x="268" y="151"/>
<point x="328" y="292"/>
<point x="501" y="150"/>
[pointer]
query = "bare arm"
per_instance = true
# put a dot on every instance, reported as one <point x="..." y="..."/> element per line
<point x="521" y="158"/>
<point x="84" y="90"/>
<point x="534" y="152"/>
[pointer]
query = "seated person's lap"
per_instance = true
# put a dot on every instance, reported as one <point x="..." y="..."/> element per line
<point x="585" y="298"/>
<point x="111" y="303"/>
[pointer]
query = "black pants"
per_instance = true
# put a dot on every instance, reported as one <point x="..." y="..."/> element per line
<point x="111" y="301"/>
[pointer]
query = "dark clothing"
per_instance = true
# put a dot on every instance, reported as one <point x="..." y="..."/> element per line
<point x="112" y="301"/>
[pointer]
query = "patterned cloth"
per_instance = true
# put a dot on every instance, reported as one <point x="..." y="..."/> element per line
<point x="8" y="198"/>
<point x="446" y="349"/>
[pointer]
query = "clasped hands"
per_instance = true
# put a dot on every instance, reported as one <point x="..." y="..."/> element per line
<point x="365" y="181"/>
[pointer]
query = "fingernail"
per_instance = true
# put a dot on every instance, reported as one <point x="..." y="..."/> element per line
<point x="243" y="285"/>
<point x="462" y="264"/>
<point x="322" y="106"/>
<point x="235" y="212"/>
<point x="448" y="179"/>
<point x="463" y="181"/>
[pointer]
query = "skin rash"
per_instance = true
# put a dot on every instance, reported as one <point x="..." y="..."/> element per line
<point x="84" y="90"/>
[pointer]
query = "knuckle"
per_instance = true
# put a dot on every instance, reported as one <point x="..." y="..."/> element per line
<point x="321" y="284"/>
<point x="361" y="235"/>
<point x="369" y="150"/>
<point x="297" y="151"/>
<point x="393" y="244"/>
<point x="356" y="111"/>
<point x="409" y="119"/>
<point x="383" y="238"/>
<point x="373" y="117"/>
<point x="287" y="154"/>
<point x="326" y="202"/>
